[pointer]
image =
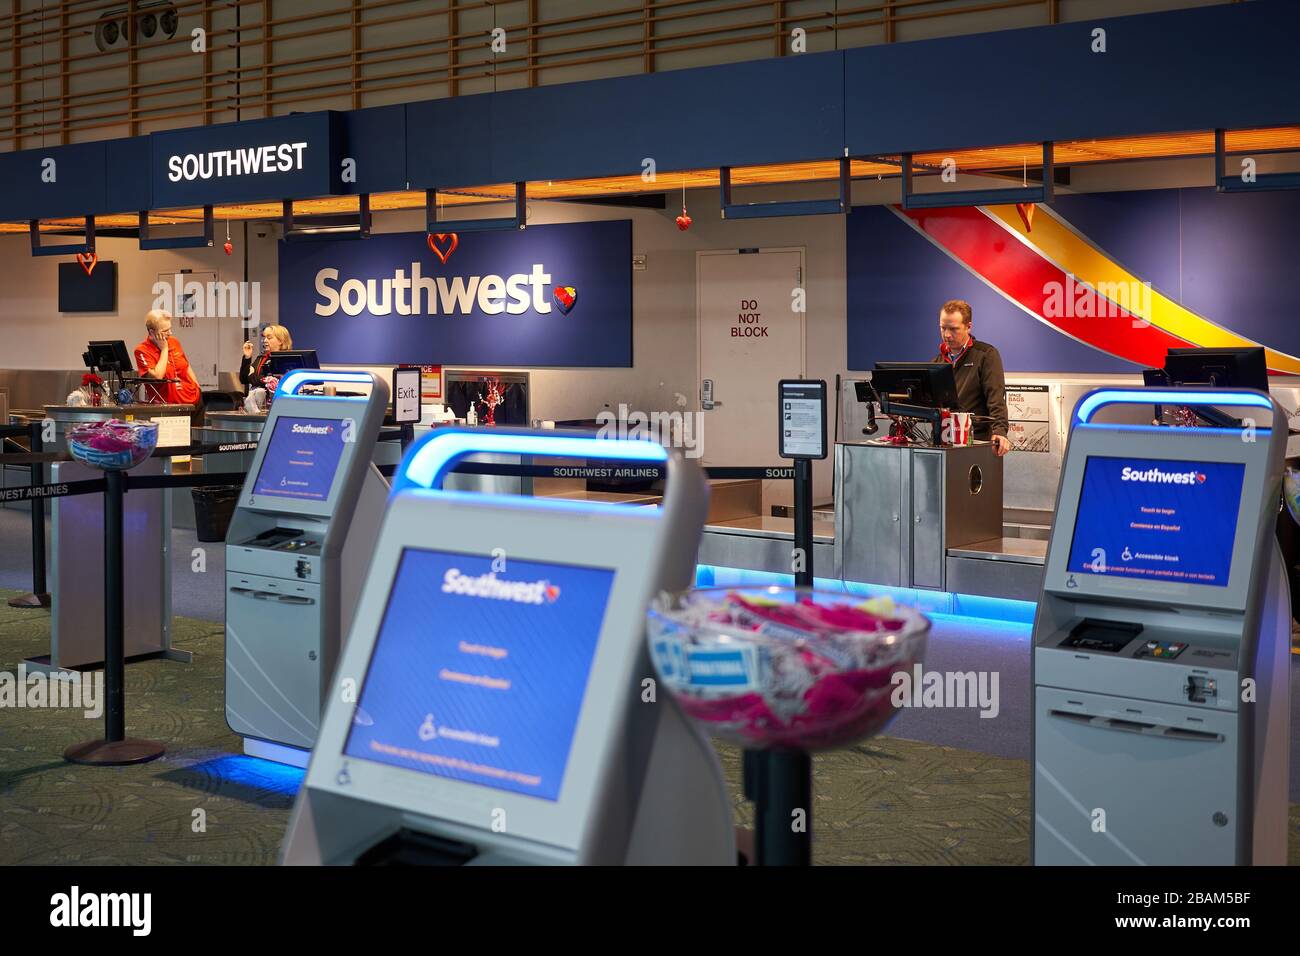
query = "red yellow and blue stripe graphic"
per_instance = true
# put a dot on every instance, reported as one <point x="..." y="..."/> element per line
<point x="1039" y="270"/>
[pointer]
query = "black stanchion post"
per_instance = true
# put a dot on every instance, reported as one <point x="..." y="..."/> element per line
<point x="408" y="436"/>
<point x="115" y="749"/>
<point x="39" y="596"/>
<point x="781" y="780"/>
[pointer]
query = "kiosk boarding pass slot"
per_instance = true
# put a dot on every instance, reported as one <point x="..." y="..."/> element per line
<point x="497" y="657"/>
<point x="1163" y="598"/>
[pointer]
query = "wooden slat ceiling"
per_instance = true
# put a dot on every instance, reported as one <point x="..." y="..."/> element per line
<point x="993" y="159"/>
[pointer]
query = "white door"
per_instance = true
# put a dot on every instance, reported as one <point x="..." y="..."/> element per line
<point x="193" y="323"/>
<point x="751" y="337"/>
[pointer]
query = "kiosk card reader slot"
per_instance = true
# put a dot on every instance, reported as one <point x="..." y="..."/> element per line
<point x="298" y="544"/>
<point x="499" y="662"/>
<point x="1161" y="660"/>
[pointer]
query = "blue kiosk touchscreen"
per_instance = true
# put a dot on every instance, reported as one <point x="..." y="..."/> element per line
<point x="507" y="658"/>
<point x="301" y="459"/>
<point x="1157" y="520"/>
<point x="1161" y="659"/>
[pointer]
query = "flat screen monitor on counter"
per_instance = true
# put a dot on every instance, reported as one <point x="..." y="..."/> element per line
<point x="285" y="361"/>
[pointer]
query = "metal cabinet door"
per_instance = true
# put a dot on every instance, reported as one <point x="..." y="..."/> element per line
<point x="273" y="659"/>
<point x="926" y="514"/>
<point x="869" y="512"/>
<point x="1169" y="794"/>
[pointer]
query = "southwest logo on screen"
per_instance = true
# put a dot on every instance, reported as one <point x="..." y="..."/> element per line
<point x="418" y="294"/>
<point x="1157" y="476"/>
<point x="313" y="429"/>
<point x="490" y="586"/>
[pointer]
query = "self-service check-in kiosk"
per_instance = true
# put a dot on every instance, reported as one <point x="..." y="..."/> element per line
<point x="296" y="552"/>
<point x="492" y="703"/>
<point x="1161" y="643"/>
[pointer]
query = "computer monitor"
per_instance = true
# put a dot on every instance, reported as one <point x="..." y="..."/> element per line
<point x="109" y="356"/>
<point x="281" y="363"/>
<point x="1218" y="367"/>
<point x="301" y="459"/>
<point x="925" y="384"/>
<point x="504" y="661"/>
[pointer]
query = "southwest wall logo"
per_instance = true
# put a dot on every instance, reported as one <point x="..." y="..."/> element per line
<point x="418" y="294"/>
<point x="1157" y="476"/>
<point x="490" y="586"/>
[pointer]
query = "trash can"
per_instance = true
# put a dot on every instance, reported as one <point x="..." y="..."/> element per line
<point x="213" y="507"/>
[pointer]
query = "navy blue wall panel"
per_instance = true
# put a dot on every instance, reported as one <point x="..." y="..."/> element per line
<point x="129" y="189"/>
<point x="767" y="111"/>
<point x="376" y="139"/>
<point x="449" y="142"/>
<point x="1231" y="66"/>
<point x="79" y="186"/>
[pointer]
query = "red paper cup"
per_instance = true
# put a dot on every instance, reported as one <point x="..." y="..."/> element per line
<point x="956" y="428"/>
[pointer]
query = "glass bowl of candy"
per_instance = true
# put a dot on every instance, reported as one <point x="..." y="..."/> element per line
<point x="783" y="668"/>
<point x="112" y="445"/>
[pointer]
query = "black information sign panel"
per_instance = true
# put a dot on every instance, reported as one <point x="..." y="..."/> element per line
<point x="802" y="418"/>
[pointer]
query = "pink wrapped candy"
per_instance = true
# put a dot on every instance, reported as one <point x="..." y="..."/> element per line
<point x="784" y="667"/>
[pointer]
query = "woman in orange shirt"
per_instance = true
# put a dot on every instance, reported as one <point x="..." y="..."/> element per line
<point x="161" y="356"/>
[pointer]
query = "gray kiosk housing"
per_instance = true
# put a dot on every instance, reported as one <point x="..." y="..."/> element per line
<point x="1151" y="747"/>
<point x="294" y="564"/>
<point x="641" y="784"/>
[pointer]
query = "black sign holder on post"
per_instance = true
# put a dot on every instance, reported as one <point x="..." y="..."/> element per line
<point x="779" y="782"/>
<point x="116" y="748"/>
<point x="39" y="597"/>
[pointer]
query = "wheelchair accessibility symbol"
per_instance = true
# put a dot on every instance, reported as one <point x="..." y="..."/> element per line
<point x="1127" y="555"/>
<point x="427" y="730"/>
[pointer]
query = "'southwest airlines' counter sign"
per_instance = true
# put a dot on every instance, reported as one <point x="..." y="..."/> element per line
<point x="558" y="295"/>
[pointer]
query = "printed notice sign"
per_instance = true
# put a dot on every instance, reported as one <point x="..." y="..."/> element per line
<point x="1030" y="417"/>
<point x="406" y="395"/>
<point x="802" y="418"/>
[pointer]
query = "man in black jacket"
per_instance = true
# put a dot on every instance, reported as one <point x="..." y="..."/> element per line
<point x="977" y="366"/>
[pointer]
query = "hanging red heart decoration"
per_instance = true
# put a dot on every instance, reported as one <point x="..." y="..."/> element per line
<point x="88" y="261"/>
<point x="229" y="247"/>
<point x="684" y="221"/>
<point x="437" y="240"/>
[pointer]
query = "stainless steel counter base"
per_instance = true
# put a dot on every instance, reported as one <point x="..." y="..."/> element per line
<point x="899" y="509"/>
<point x="765" y="544"/>
<point x="77" y="573"/>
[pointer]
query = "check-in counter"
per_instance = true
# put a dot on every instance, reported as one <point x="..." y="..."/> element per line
<point x="905" y="513"/>
<point x="76" y="558"/>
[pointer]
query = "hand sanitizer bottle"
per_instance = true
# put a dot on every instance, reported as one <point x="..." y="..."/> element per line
<point x="471" y="418"/>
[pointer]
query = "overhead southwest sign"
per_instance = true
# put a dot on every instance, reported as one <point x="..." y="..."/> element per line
<point x="554" y="295"/>
<point x="286" y="157"/>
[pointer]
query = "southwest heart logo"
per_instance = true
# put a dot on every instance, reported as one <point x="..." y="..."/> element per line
<point x="443" y="244"/>
<point x="88" y="261"/>
<point x="1200" y="478"/>
<point x="552" y="593"/>
<point x="565" y="296"/>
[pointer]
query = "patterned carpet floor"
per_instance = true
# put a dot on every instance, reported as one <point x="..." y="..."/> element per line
<point x="888" y="801"/>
